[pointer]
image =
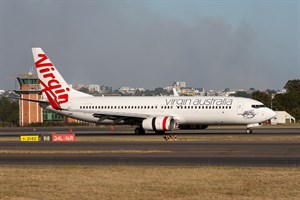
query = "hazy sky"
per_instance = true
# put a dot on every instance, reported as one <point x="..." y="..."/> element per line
<point x="211" y="44"/>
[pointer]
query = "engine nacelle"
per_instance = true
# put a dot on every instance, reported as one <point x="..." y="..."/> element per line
<point x="161" y="123"/>
<point x="192" y="126"/>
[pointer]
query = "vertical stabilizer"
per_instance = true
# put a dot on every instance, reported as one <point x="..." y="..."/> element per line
<point x="53" y="85"/>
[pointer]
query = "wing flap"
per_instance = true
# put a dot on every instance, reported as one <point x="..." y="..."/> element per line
<point x="119" y="114"/>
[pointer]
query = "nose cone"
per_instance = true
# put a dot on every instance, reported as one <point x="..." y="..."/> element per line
<point x="270" y="114"/>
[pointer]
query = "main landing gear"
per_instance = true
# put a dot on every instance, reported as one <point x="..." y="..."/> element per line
<point x="139" y="131"/>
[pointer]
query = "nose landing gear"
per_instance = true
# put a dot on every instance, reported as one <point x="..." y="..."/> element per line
<point x="250" y="126"/>
<point x="249" y="131"/>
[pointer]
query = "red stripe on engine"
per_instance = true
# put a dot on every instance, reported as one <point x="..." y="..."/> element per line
<point x="165" y="123"/>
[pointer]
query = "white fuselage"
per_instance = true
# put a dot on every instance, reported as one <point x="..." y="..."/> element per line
<point x="185" y="110"/>
<point x="148" y="113"/>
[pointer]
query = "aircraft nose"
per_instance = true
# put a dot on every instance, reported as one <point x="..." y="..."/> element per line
<point x="271" y="114"/>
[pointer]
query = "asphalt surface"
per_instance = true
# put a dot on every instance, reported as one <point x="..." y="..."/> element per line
<point x="106" y="130"/>
<point x="184" y="153"/>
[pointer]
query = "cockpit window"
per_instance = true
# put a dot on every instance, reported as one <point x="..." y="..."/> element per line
<point x="258" y="106"/>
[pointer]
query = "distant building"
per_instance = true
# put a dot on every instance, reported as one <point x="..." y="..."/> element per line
<point x="187" y="91"/>
<point x="177" y="85"/>
<point x="213" y="93"/>
<point x="105" y="89"/>
<point x="180" y="84"/>
<point x="129" y="90"/>
<point x="200" y="91"/>
<point x="282" y="117"/>
<point x="79" y="86"/>
<point x="94" y="88"/>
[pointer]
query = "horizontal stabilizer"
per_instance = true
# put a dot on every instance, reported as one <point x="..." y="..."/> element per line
<point x="32" y="100"/>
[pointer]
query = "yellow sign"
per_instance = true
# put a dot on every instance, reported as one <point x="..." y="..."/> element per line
<point x="29" y="138"/>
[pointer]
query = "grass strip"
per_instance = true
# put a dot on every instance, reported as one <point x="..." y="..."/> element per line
<point x="148" y="182"/>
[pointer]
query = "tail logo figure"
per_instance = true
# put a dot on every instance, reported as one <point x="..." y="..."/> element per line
<point x="54" y="91"/>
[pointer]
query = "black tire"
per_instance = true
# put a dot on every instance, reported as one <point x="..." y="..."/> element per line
<point x="249" y="131"/>
<point x="139" y="131"/>
<point x="159" y="132"/>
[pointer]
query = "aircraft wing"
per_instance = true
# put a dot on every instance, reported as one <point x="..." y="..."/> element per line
<point x="129" y="118"/>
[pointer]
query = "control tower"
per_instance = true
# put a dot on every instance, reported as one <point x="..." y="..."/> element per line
<point x="29" y="112"/>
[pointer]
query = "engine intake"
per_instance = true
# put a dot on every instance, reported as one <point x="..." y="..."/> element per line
<point x="161" y="123"/>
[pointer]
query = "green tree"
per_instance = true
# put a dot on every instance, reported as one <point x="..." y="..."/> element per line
<point x="160" y="91"/>
<point x="289" y="101"/>
<point x="263" y="97"/>
<point x="293" y="86"/>
<point x="84" y="89"/>
<point x="241" y="94"/>
<point x="9" y="110"/>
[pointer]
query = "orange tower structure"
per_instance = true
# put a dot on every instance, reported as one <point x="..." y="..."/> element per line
<point x="29" y="112"/>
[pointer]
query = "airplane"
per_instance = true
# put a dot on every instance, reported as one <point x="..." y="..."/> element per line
<point x="156" y="113"/>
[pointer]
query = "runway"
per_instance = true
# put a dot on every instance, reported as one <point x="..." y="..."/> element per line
<point x="122" y="148"/>
<point x="106" y="130"/>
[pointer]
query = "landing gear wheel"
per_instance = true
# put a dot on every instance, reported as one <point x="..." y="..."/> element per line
<point x="249" y="131"/>
<point x="139" y="131"/>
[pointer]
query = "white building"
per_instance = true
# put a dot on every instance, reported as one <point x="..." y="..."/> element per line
<point x="127" y="90"/>
<point x="94" y="88"/>
<point x="180" y="84"/>
<point x="282" y="117"/>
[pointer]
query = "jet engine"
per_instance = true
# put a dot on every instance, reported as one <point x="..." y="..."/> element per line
<point x="161" y="123"/>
